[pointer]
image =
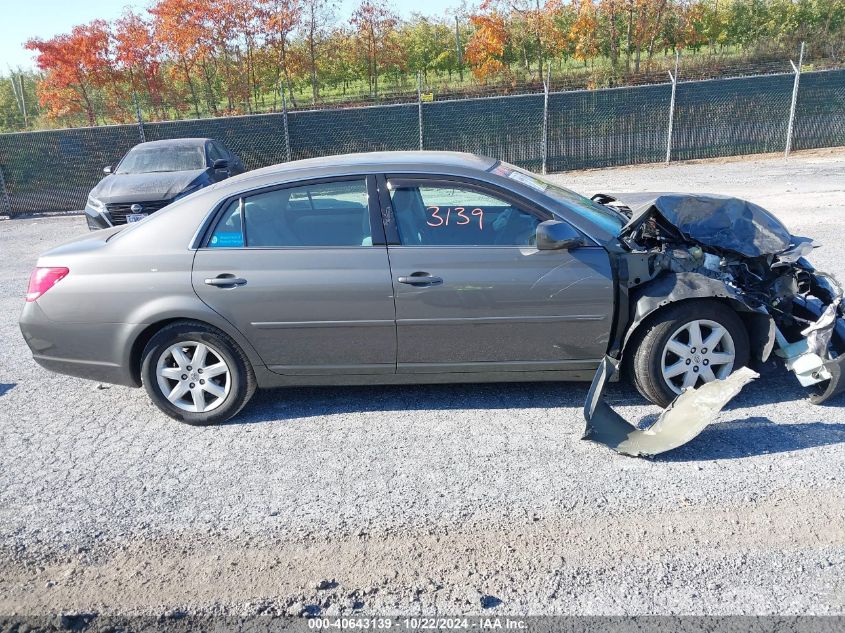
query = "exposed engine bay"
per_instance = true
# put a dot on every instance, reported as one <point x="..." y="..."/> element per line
<point x="676" y="247"/>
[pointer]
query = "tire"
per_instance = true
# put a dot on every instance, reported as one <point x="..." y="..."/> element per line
<point x="212" y="391"/>
<point x="650" y="351"/>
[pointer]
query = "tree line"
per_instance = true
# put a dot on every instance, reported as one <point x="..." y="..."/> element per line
<point x="192" y="58"/>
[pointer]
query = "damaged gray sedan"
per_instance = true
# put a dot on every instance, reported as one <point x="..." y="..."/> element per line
<point x="425" y="267"/>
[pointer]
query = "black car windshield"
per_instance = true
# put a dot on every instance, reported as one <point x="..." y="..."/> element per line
<point x="146" y="160"/>
<point x="608" y="219"/>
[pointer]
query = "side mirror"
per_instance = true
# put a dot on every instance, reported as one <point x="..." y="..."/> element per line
<point x="220" y="163"/>
<point x="108" y="169"/>
<point x="556" y="235"/>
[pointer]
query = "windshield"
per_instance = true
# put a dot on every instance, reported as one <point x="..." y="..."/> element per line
<point x="608" y="219"/>
<point x="146" y="160"/>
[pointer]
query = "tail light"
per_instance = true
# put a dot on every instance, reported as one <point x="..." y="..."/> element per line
<point x="42" y="279"/>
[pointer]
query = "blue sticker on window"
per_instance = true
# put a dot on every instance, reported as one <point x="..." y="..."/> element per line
<point x="227" y="240"/>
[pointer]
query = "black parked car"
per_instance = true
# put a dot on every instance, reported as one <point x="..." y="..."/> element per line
<point x="154" y="174"/>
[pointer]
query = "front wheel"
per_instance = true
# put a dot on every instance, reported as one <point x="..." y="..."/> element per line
<point x="196" y="374"/>
<point x="684" y="346"/>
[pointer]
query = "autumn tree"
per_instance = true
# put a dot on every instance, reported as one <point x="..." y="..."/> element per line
<point x="558" y="20"/>
<point x="644" y="26"/>
<point x="317" y="17"/>
<point x="208" y="57"/>
<point x="537" y="26"/>
<point x="75" y="65"/>
<point x="374" y="23"/>
<point x="180" y="26"/>
<point x="138" y="54"/>
<point x="237" y="23"/>
<point x="280" y="18"/>
<point x="485" y="50"/>
<point x="584" y="31"/>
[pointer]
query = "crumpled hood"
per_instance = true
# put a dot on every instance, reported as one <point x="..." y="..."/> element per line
<point x="721" y="222"/>
<point x="143" y="187"/>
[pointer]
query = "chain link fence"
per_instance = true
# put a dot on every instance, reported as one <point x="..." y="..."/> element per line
<point x="725" y="117"/>
<point x="555" y="131"/>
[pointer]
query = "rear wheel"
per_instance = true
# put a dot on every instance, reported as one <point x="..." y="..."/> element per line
<point x="196" y="373"/>
<point x="685" y="346"/>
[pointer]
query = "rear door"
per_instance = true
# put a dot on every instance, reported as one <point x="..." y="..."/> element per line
<point x="301" y="272"/>
<point x="473" y="293"/>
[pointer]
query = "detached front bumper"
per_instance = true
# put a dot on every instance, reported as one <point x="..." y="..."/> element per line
<point x="687" y="416"/>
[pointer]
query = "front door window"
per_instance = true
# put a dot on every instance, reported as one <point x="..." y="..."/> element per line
<point x="458" y="215"/>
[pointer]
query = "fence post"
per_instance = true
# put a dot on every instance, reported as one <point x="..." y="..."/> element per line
<point x="544" y="147"/>
<point x="674" y="78"/>
<point x="23" y="98"/>
<point x="285" y="122"/>
<point x="139" y="117"/>
<point x="791" y="126"/>
<point x="419" y="106"/>
<point x="5" y="199"/>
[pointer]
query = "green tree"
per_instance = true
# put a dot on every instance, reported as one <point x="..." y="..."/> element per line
<point x="18" y="96"/>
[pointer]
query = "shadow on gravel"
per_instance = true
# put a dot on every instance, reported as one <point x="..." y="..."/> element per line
<point x="6" y="387"/>
<point x="292" y="403"/>
<point x="775" y="385"/>
<point x="755" y="436"/>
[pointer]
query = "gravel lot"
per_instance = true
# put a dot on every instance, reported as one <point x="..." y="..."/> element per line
<point x="449" y="499"/>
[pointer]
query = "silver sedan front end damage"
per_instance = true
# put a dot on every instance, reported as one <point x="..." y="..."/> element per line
<point x="682" y="247"/>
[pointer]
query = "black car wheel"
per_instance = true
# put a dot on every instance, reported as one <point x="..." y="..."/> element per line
<point x="684" y="346"/>
<point x="196" y="374"/>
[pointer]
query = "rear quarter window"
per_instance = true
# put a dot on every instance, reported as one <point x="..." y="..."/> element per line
<point x="229" y="232"/>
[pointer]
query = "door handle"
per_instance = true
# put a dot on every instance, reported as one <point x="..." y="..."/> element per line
<point x="420" y="279"/>
<point x="226" y="280"/>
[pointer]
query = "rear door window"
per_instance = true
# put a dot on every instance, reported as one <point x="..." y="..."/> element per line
<point x="326" y="214"/>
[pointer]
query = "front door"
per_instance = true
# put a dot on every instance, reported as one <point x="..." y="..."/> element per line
<point x="473" y="293"/>
<point x="300" y="272"/>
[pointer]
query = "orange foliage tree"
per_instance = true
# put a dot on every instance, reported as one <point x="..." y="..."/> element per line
<point x="180" y="26"/>
<point x="485" y="50"/>
<point x="585" y="30"/>
<point x="280" y="18"/>
<point x="209" y="57"/>
<point x="74" y="64"/>
<point x="138" y="54"/>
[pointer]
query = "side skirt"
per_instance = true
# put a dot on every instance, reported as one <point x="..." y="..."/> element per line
<point x="268" y="379"/>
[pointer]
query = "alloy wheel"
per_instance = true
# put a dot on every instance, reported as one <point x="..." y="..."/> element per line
<point x="698" y="352"/>
<point x="193" y="376"/>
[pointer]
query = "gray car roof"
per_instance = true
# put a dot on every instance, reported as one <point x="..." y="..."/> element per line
<point x="386" y="160"/>
<point x="182" y="222"/>
<point x="354" y="163"/>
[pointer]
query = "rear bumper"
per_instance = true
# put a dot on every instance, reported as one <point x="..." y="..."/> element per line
<point x="95" y="351"/>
